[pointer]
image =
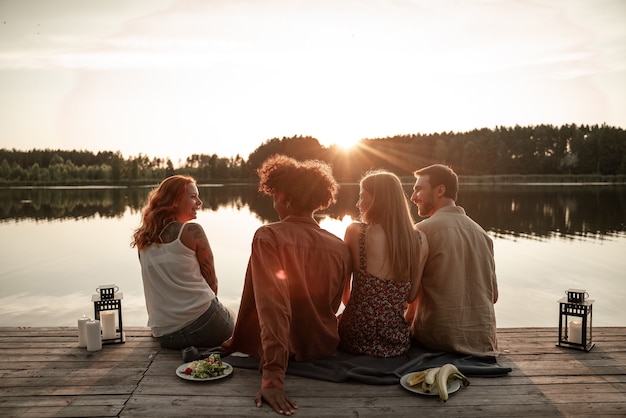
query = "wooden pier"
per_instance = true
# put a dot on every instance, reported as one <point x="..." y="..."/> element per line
<point x="45" y="374"/>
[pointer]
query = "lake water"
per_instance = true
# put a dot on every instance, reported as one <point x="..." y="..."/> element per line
<point x="59" y="244"/>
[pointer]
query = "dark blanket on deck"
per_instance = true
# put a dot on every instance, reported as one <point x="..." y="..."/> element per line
<point x="377" y="371"/>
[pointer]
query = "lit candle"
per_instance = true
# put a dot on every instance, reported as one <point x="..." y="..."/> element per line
<point x="575" y="332"/>
<point x="82" y="331"/>
<point x="108" y="324"/>
<point x="94" y="340"/>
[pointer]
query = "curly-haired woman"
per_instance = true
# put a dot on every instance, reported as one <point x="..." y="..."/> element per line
<point x="295" y="277"/>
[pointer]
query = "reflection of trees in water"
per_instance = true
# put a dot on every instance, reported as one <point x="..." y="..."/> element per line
<point x="63" y="203"/>
<point x="543" y="211"/>
<point x="239" y="197"/>
<point x="525" y="211"/>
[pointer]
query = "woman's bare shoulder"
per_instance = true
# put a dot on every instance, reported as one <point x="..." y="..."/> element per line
<point x="193" y="229"/>
<point x="375" y="231"/>
<point x="170" y="232"/>
<point x="352" y="231"/>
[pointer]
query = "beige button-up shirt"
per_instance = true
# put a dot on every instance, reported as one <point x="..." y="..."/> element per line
<point x="454" y="309"/>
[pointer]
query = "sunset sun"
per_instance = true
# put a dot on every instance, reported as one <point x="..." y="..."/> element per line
<point x="345" y="143"/>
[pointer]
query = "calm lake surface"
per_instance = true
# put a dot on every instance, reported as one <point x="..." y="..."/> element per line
<point x="59" y="244"/>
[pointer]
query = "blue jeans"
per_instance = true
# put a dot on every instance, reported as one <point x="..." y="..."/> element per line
<point x="211" y="329"/>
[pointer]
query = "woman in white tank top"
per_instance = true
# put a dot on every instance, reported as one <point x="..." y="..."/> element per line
<point x="178" y="271"/>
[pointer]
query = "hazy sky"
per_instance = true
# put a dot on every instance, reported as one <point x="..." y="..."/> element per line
<point x="171" y="78"/>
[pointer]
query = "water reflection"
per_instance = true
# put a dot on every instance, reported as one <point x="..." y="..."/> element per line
<point x="576" y="212"/>
<point x="538" y="212"/>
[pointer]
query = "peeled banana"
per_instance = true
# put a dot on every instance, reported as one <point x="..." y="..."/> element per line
<point x="448" y="372"/>
<point x="437" y="377"/>
<point x="431" y="375"/>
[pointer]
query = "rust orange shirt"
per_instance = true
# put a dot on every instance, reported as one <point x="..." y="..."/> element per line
<point x="291" y="294"/>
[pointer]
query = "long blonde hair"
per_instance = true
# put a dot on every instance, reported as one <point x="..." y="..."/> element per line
<point x="160" y="209"/>
<point x="390" y="208"/>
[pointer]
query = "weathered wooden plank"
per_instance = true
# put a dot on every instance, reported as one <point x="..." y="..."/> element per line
<point x="107" y="380"/>
<point x="61" y="372"/>
<point x="473" y="395"/>
<point x="61" y="411"/>
<point x="363" y="407"/>
<point x="87" y="388"/>
<point x="391" y="401"/>
<point x="63" y="401"/>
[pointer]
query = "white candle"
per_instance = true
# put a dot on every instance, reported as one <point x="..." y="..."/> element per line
<point x="575" y="332"/>
<point x="94" y="340"/>
<point x="108" y="324"/>
<point x="82" y="331"/>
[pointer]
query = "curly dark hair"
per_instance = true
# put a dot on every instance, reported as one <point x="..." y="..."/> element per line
<point x="308" y="185"/>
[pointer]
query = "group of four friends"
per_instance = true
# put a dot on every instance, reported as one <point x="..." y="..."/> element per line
<point x="431" y="282"/>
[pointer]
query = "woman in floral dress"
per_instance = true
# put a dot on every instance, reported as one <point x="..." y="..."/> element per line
<point x="388" y="256"/>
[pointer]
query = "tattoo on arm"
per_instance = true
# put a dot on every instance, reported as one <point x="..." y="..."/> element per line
<point x="199" y="235"/>
<point x="205" y="256"/>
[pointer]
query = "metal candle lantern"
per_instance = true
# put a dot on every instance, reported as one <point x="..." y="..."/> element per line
<point x="107" y="302"/>
<point x="575" y="320"/>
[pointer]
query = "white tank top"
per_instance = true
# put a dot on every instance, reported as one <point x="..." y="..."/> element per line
<point x="176" y="292"/>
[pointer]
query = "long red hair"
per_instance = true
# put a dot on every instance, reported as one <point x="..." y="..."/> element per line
<point x="160" y="209"/>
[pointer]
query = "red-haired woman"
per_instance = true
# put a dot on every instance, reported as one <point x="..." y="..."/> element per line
<point x="179" y="281"/>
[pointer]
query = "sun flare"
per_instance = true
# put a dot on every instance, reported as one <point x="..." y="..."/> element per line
<point x="345" y="143"/>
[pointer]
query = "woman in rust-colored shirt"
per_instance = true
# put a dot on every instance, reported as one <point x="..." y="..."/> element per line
<point x="295" y="277"/>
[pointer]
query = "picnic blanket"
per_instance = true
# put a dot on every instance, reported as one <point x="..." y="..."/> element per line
<point x="343" y="366"/>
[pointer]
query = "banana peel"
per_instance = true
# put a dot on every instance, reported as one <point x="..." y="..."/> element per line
<point x="420" y="377"/>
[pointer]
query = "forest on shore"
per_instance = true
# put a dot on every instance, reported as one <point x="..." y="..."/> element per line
<point x="543" y="151"/>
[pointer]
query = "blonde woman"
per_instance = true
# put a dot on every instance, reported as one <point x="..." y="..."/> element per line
<point x="388" y="257"/>
<point x="177" y="268"/>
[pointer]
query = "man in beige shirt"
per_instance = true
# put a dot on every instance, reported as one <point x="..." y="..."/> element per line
<point x="454" y="309"/>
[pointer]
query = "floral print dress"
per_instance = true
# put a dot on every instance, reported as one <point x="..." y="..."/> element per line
<point x="373" y="321"/>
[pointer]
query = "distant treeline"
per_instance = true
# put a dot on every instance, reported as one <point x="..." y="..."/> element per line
<point x="543" y="150"/>
<point x="536" y="212"/>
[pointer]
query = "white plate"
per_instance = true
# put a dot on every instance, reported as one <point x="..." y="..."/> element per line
<point x="180" y="372"/>
<point x="453" y="386"/>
